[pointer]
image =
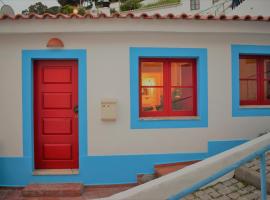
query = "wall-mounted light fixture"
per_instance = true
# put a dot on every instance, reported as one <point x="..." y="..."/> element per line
<point x="55" y="43"/>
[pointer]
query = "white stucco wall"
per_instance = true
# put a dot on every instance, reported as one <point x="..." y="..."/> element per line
<point x="108" y="77"/>
<point x="183" y="7"/>
<point x="248" y="7"/>
<point x="253" y="8"/>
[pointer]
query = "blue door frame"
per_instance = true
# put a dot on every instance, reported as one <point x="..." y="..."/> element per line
<point x="28" y="56"/>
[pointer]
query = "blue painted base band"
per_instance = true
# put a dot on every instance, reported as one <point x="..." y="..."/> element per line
<point x="102" y="170"/>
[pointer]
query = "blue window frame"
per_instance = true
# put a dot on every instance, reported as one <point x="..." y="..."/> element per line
<point x="243" y="111"/>
<point x="200" y="55"/>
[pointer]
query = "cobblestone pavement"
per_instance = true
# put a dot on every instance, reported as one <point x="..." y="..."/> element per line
<point x="232" y="188"/>
<point x="227" y="190"/>
<point x="255" y="165"/>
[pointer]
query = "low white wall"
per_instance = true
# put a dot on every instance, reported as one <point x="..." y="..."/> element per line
<point x="108" y="77"/>
<point x="166" y="186"/>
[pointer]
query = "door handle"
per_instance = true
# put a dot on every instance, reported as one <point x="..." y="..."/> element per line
<point x="76" y="109"/>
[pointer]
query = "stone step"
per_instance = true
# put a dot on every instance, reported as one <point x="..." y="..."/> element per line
<point x="250" y="173"/>
<point x="163" y="169"/>
<point x="251" y="177"/>
<point x="53" y="190"/>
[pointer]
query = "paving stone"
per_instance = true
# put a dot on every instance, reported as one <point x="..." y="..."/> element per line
<point x="205" y="197"/>
<point x="242" y="191"/>
<point x="242" y="198"/>
<point x="234" y="195"/>
<point x="257" y="192"/>
<point x="199" y="193"/>
<point x="218" y="186"/>
<point x="240" y="185"/>
<point x="227" y="183"/>
<point x="233" y="180"/>
<point x="224" y="191"/>
<point x="209" y="190"/>
<point x="233" y="188"/>
<point x="214" y="194"/>
<point x="250" y="188"/>
<point x="223" y="198"/>
<point x="250" y="196"/>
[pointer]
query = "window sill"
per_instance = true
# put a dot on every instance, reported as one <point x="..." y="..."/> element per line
<point x="170" y="118"/>
<point x="255" y="106"/>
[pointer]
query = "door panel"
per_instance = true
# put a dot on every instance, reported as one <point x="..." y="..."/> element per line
<point x="57" y="100"/>
<point x="57" y="126"/>
<point x="56" y="123"/>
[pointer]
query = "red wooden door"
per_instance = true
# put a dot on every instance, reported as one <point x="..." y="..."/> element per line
<point x="56" y="120"/>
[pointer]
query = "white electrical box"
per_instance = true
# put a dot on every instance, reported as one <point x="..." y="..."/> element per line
<point x="108" y="109"/>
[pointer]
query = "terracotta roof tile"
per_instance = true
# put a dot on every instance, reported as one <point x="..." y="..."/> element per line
<point x="140" y="16"/>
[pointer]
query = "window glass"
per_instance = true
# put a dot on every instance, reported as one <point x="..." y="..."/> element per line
<point x="182" y="99"/>
<point x="152" y="99"/>
<point x="195" y="4"/>
<point x="266" y="72"/>
<point x="248" y="68"/>
<point x="152" y="86"/>
<point x="152" y="74"/>
<point x="248" y="89"/>
<point x="181" y="74"/>
<point x="266" y="69"/>
<point x="267" y="90"/>
<point x="248" y="79"/>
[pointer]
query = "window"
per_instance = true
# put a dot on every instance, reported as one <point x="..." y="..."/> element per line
<point x="166" y="84"/>
<point x="194" y="4"/>
<point x="254" y="80"/>
<point x="250" y="80"/>
<point x="167" y="87"/>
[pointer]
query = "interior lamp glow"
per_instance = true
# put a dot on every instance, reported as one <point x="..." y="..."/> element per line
<point x="149" y="82"/>
<point x="75" y="11"/>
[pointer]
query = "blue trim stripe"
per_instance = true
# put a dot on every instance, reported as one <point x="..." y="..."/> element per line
<point x="224" y="171"/>
<point x="102" y="170"/>
<point x="197" y="53"/>
<point x="236" y="51"/>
